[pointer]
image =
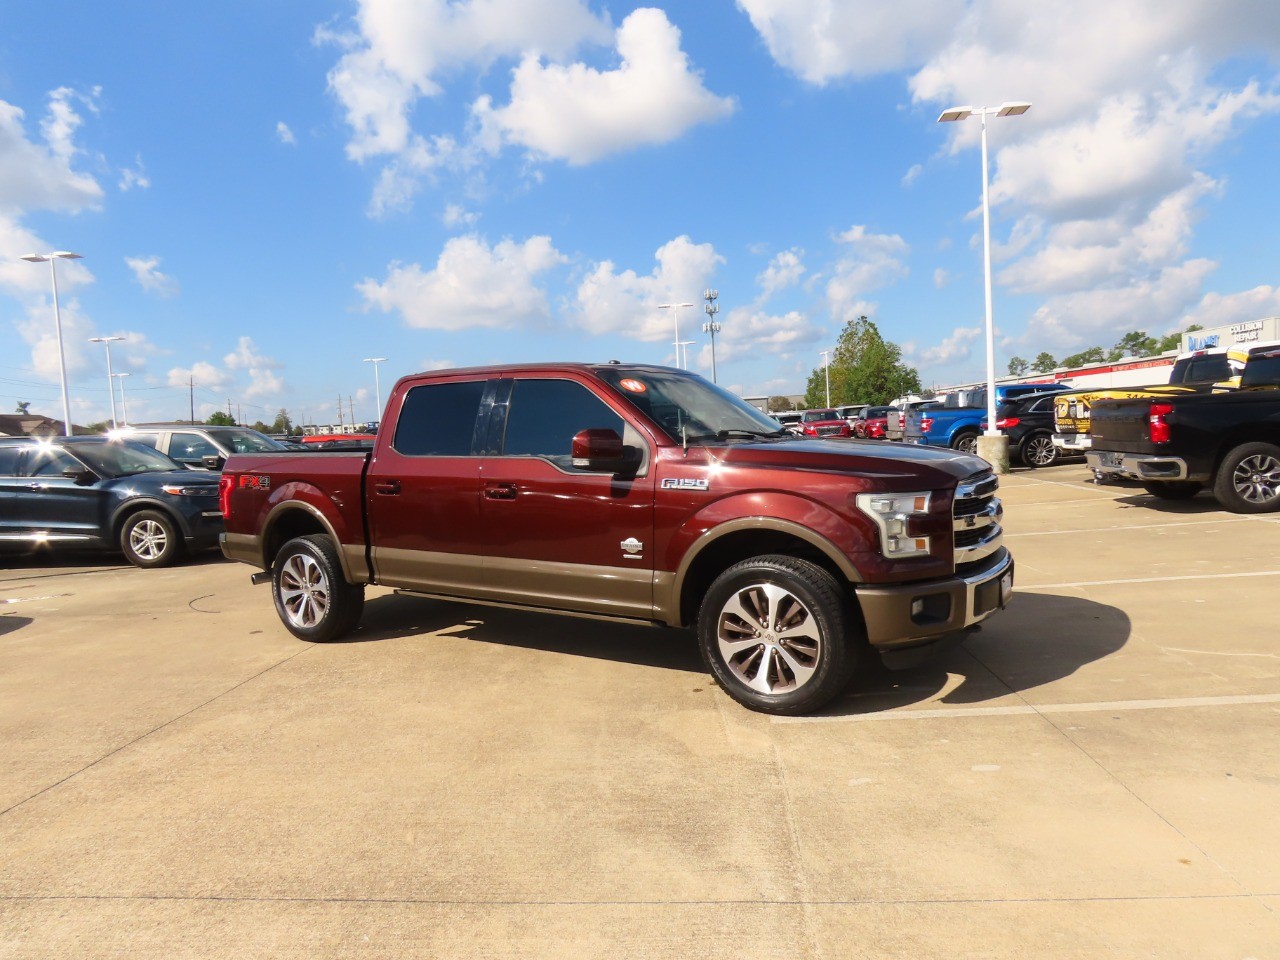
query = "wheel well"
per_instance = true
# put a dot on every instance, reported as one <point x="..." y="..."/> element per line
<point x="292" y="523"/>
<point x="736" y="547"/>
<point x="1255" y="434"/>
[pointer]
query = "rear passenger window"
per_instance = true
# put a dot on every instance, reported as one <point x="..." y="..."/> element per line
<point x="49" y="462"/>
<point x="8" y="461"/>
<point x="152" y="440"/>
<point x="439" y="419"/>
<point x="544" y="415"/>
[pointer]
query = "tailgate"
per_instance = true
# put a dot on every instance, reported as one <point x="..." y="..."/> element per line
<point x="1121" y="425"/>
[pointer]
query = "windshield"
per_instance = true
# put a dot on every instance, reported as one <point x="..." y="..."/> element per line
<point x="813" y="416"/>
<point x="123" y="458"/>
<point x="246" y="441"/>
<point x="687" y="408"/>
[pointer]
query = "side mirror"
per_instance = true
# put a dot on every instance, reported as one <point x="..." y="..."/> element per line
<point x="83" y="476"/>
<point x="213" y="461"/>
<point x="599" y="450"/>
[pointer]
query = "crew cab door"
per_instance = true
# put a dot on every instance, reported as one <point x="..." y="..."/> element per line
<point x="50" y="503"/>
<point x="556" y="535"/>
<point x="423" y="489"/>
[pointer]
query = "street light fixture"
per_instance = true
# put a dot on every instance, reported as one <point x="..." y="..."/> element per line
<point x="675" y="314"/>
<point x="57" y="322"/>
<point x="111" y="389"/>
<point x="993" y="445"/>
<point x="124" y="404"/>
<point x="686" y="344"/>
<point x="377" y="386"/>
<point x="826" y="368"/>
<point x="711" y="326"/>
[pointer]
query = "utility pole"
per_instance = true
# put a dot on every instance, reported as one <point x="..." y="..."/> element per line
<point x="191" y="386"/>
<point x="711" y="326"/>
<point x="340" y="421"/>
<point x="826" y="368"/>
<point x="351" y="405"/>
<point x="228" y="408"/>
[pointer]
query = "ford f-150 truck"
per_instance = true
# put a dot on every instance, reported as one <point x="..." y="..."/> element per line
<point x="957" y="425"/>
<point x="633" y="492"/>
<point x="1178" y="444"/>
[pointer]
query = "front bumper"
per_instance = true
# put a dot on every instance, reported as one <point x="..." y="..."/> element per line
<point x="910" y="614"/>
<point x="1072" y="442"/>
<point x="1109" y="463"/>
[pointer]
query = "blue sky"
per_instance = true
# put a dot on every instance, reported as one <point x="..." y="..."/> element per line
<point x="267" y="193"/>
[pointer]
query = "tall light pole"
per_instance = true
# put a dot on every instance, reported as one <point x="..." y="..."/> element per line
<point x="686" y="344"/>
<point x="711" y="326"/>
<point x="124" y="404"/>
<point x="675" y="313"/>
<point x="57" y="322"/>
<point x="826" y="369"/>
<point x="111" y="388"/>
<point x="993" y="446"/>
<point x="377" y="386"/>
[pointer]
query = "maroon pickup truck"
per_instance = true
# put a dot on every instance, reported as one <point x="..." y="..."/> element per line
<point x="639" y="493"/>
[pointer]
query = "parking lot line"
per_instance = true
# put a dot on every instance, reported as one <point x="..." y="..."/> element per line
<point x="1190" y="576"/>
<point x="1036" y="709"/>
<point x="1136" y="526"/>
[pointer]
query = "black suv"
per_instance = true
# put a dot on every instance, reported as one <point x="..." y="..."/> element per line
<point x="104" y="493"/>
<point x="1028" y="423"/>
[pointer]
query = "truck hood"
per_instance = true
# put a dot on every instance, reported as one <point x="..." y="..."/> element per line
<point x="867" y="458"/>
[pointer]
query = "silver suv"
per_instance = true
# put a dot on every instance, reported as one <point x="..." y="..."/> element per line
<point x="199" y="445"/>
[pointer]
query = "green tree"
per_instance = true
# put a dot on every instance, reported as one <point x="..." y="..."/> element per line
<point x="1017" y="366"/>
<point x="1044" y="363"/>
<point x="865" y="368"/>
<point x="282" y="423"/>
<point x="260" y="427"/>
<point x="220" y="419"/>
<point x="780" y="405"/>
<point x="1092" y="355"/>
<point x="1174" y="340"/>
<point x="1134" y="344"/>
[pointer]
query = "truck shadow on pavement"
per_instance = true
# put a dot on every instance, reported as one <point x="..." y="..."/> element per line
<point x="9" y="623"/>
<point x="1040" y="638"/>
<point x="1202" y="503"/>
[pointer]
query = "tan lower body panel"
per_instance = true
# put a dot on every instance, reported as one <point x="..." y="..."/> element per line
<point x="606" y="591"/>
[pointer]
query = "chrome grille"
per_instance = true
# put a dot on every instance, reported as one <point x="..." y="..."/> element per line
<point x="976" y="530"/>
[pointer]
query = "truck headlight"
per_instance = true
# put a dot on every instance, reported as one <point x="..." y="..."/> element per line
<point x="893" y="513"/>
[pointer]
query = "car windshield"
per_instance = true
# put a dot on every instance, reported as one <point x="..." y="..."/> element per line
<point x="123" y="458"/>
<point x="813" y="416"/>
<point x="247" y="441"/>
<point x="875" y="412"/>
<point x="688" y="409"/>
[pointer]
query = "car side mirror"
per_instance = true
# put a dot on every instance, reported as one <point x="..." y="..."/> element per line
<point x="213" y="461"/>
<point x="598" y="450"/>
<point x="83" y="476"/>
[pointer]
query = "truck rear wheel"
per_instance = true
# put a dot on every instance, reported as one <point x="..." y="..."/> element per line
<point x="966" y="441"/>
<point x="775" y="631"/>
<point x="1248" y="479"/>
<point x="312" y="597"/>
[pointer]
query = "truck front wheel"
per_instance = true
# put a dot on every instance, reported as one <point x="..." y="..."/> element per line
<point x="1248" y="479"/>
<point x="775" y="633"/>
<point x="312" y="597"/>
<point x="966" y="441"/>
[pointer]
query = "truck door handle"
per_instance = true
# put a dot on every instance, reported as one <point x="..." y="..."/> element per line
<point x="500" y="491"/>
<point x="387" y="487"/>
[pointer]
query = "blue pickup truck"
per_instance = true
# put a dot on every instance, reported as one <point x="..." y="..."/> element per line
<point x="959" y="420"/>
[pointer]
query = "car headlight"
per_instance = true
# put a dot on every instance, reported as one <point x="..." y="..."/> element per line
<point x="893" y="513"/>
<point x="177" y="490"/>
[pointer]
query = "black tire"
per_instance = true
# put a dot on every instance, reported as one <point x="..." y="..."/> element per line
<point x="781" y="675"/>
<point x="313" y="599"/>
<point x="150" y="538"/>
<point x="1174" y="489"/>
<point x="1038" y="450"/>
<point x="1248" y="479"/>
<point x="966" y="441"/>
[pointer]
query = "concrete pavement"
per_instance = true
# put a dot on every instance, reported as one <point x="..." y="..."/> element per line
<point x="1094" y="774"/>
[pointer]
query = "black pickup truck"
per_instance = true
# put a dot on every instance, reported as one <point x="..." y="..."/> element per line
<point x="1178" y="445"/>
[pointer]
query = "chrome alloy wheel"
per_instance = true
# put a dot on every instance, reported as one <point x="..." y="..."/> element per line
<point x="769" y="639"/>
<point x="148" y="539"/>
<point x="304" y="590"/>
<point x="1257" y="479"/>
<point x="1040" y="451"/>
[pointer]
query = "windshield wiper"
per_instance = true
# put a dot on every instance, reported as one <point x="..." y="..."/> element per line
<point x="738" y="434"/>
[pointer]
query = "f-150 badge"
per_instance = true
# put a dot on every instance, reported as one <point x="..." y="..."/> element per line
<point x="685" y="483"/>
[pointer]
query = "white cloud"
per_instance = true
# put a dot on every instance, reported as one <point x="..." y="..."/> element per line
<point x="457" y="216"/>
<point x="580" y="114"/>
<point x="783" y="271"/>
<point x="910" y="176"/>
<point x="875" y="259"/>
<point x="471" y="286"/>
<point x="1217" y="310"/>
<point x="627" y="303"/>
<point x="953" y="349"/>
<point x="39" y="177"/>
<point x="203" y="374"/>
<point x="822" y="40"/>
<point x="941" y="278"/>
<point x="262" y="380"/>
<point x="747" y="332"/>
<point x="400" y="52"/>
<point x="135" y="177"/>
<point x="146" y="271"/>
